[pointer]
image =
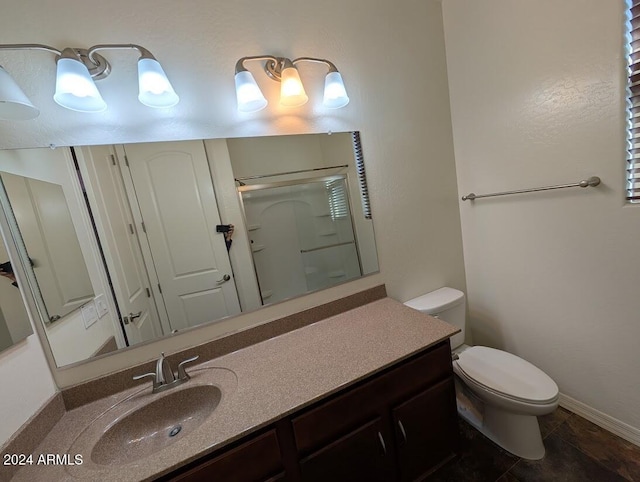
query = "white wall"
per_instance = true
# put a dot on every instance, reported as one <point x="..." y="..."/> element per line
<point x="27" y="384"/>
<point x="391" y="55"/>
<point x="537" y="95"/>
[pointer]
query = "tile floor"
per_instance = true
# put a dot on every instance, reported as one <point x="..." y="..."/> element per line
<point x="577" y="450"/>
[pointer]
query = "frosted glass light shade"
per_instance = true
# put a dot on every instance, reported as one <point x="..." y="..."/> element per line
<point x="335" y="95"/>
<point x="14" y="104"/>
<point x="75" y="88"/>
<point x="292" y="92"/>
<point x="248" y="94"/>
<point x="154" y="88"/>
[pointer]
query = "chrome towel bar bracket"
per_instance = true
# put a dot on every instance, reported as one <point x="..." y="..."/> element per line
<point x="593" y="181"/>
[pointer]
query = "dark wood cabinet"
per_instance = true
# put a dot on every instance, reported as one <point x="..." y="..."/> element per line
<point x="255" y="460"/>
<point x="397" y="425"/>
<point x="362" y="454"/>
<point x="425" y="430"/>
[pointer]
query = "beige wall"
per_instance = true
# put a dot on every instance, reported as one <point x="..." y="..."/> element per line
<point x="537" y="99"/>
<point x="391" y="55"/>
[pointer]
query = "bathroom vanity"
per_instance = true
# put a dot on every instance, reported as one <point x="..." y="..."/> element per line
<point x="367" y="394"/>
<point x="397" y="425"/>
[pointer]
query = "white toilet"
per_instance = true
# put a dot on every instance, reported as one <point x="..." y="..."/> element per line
<point x="498" y="393"/>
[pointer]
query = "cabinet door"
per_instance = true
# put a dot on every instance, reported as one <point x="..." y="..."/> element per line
<point x="256" y="460"/>
<point x="363" y="454"/>
<point x="426" y="430"/>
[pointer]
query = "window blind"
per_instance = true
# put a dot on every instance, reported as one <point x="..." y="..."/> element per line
<point x="633" y="104"/>
<point x="362" y="179"/>
<point x="338" y="204"/>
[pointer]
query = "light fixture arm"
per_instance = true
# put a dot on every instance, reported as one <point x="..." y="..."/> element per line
<point x="240" y="63"/>
<point x="275" y="65"/>
<point x="328" y="63"/>
<point x="144" y="53"/>
<point x="98" y="67"/>
<point x="45" y="48"/>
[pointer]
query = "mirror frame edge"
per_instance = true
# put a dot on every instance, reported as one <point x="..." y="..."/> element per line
<point x="31" y="304"/>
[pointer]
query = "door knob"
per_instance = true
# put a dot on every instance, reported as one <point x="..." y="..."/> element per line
<point x="132" y="316"/>
<point x="224" y="279"/>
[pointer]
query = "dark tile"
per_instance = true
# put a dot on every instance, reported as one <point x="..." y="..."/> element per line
<point x="562" y="462"/>
<point x="610" y="450"/>
<point x="478" y="459"/>
<point x="548" y="423"/>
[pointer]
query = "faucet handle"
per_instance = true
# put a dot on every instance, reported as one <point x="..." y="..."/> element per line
<point x="152" y="375"/>
<point x="182" y="374"/>
<point x="164" y="373"/>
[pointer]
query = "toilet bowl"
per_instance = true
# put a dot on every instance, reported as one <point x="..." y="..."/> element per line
<point x="497" y="392"/>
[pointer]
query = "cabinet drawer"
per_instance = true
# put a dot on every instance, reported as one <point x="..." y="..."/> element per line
<point x="253" y="461"/>
<point x="343" y="413"/>
<point x="363" y="454"/>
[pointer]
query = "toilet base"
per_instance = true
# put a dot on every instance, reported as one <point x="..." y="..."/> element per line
<point x="516" y="433"/>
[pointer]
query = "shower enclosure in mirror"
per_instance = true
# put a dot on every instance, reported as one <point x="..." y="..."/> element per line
<point x="302" y="235"/>
<point x="176" y="234"/>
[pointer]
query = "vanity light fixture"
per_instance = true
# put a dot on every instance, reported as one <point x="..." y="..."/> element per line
<point x="292" y="93"/>
<point x="76" y="71"/>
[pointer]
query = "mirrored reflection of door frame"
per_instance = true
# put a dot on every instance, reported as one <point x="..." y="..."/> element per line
<point x="297" y="182"/>
<point x="114" y="225"/>
<point x="159" y="176"/>
<point x="47" y="231"/>
<point x="11" y="246"/>
<point x="45" y="315"/>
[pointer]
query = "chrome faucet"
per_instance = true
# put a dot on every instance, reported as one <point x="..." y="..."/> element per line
<point x="164" y="378"/>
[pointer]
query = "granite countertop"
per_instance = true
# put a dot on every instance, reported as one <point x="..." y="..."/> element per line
<point x="260" y="384"/>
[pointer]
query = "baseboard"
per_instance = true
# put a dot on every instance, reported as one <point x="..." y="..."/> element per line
<point x="603" y="420"/>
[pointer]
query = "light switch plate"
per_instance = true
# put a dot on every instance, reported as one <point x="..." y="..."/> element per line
<point x="101" y="306"/>
<point x="89" y="314"/>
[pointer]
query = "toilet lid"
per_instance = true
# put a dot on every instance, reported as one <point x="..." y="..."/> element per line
<point x="507" y="374"/>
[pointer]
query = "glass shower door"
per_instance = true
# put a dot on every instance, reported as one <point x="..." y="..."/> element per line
<point x="302" y="236"/>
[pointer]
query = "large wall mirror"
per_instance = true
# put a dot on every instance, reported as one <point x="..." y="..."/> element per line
<point x="169" y="235"/>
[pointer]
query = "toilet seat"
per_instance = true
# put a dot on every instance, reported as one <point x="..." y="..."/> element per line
<point x="507" y="375"/>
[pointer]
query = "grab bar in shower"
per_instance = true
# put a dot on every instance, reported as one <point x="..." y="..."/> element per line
<point x="593" y="181"/>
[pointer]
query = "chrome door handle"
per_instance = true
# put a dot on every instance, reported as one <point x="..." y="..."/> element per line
<point x="404" y="434"/>
<point x="132" y="316"/>
<point x="224" y="279"/>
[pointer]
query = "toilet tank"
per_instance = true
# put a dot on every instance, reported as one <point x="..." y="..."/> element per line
<point x="446" y="304"/>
